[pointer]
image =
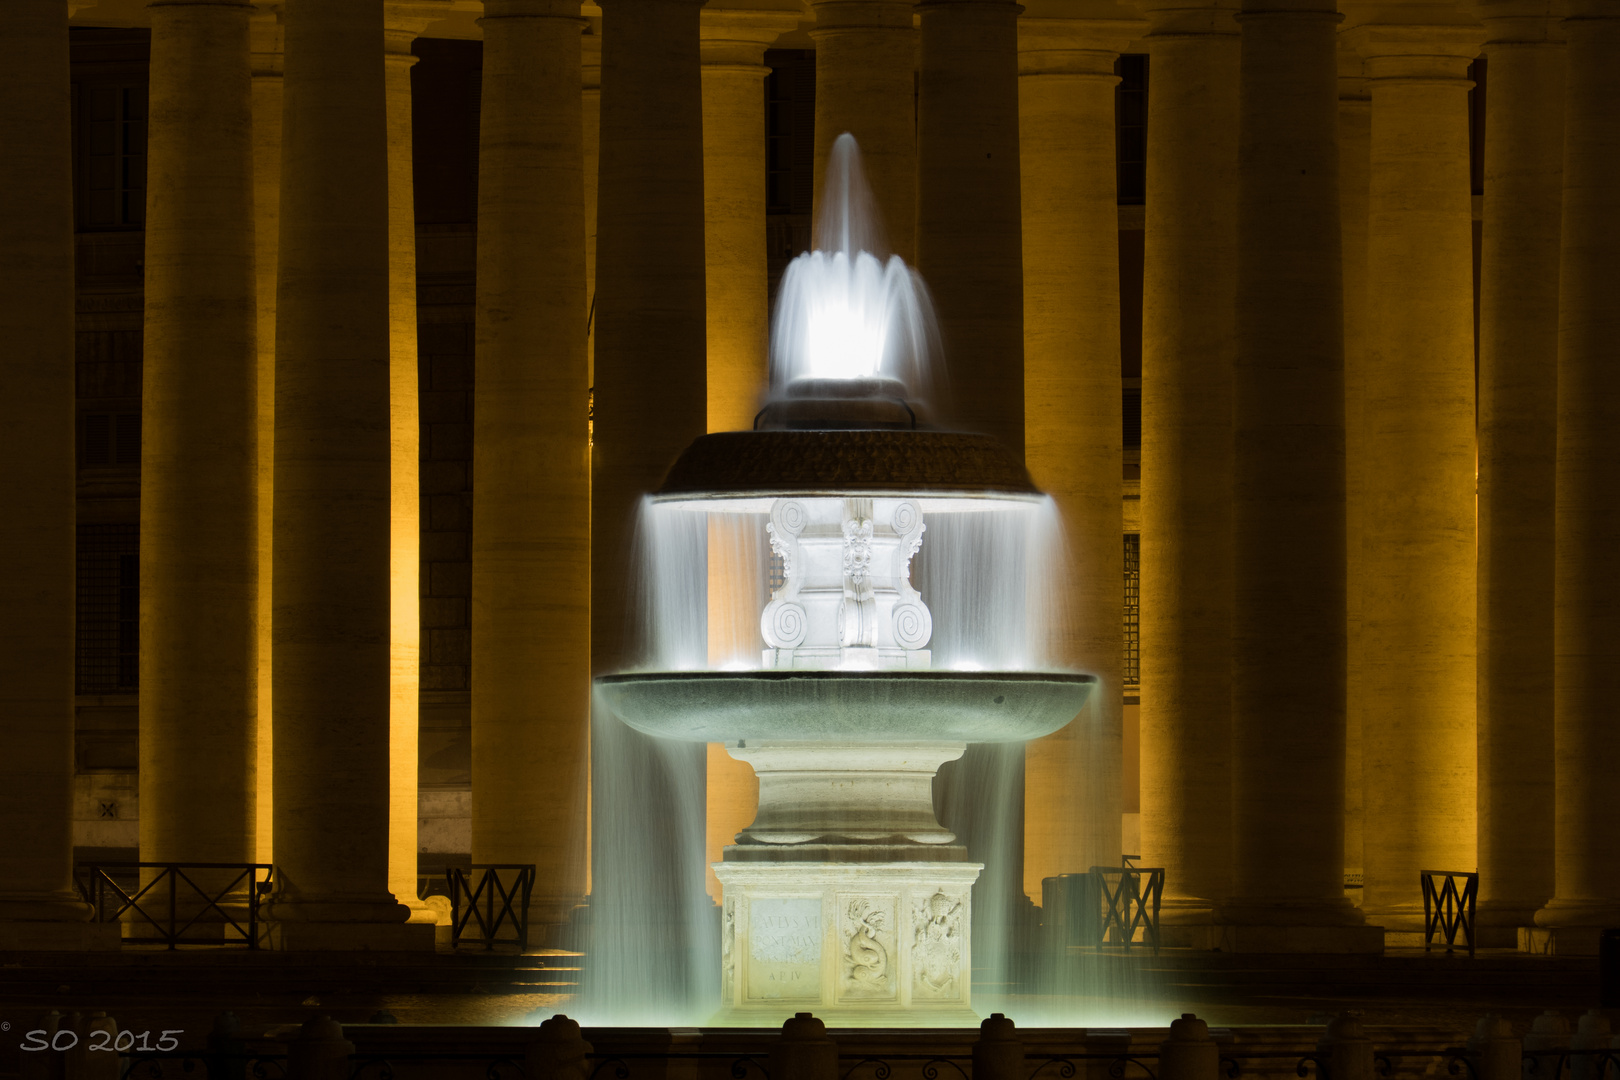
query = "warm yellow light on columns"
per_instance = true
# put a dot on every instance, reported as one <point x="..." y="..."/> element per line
<point x="1586" y="662"/>
<point x="1288" y="612"/>
<point x="332" y="504"/>
<point x="591" y="117"/>
<point x="866" y="65"/>
<point x="39" y="906"/>
<point x="1417" y="559"/>
<point x="1355" y="137"/>
<point x="405" y="500"/>
<point x="967" y="156"/>
<point x="199" y="504"/>
<point x="1518" y="435"/>
<point x="1072" y="396"/>
<point x="531" y="485"/>
<point x="1190" y="245"/>
<point x="738" y="325"/>
<point x="265" y="31"/>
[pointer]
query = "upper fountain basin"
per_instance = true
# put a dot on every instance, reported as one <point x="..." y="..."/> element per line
<point x="846" y="706"/>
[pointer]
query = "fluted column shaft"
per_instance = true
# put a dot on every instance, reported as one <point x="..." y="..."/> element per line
<point x="531" y="485"/>
<point x="591" y="117"/>
<point x="405" y="439"/>
<point x="967" y="156"/>
<point x="265" y="32"/>
<point x="866" y="64"/>
<point x="1518" y="422"/>
<point x="36" y="438"/>
<point x="1186" y="541"/>
<point x="1586" y="672"/>
<point x="1417" y="557"/>
<point x="199" y="505"/>
<point x="1288" y="624"/>
<point x="1355" y="149"/>
<point x="1072" y="409"/>
<point x="332" y="504"/>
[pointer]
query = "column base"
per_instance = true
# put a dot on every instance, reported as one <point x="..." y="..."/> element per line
<point x="1257" y="938"/>
<point x="1559" y="940"/>
<point x="1497" y="923"/>
<point x="60" y="937"/>
<point x="353" y="937"/>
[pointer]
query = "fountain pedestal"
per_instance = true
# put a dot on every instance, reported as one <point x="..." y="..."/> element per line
<point x="849" y="940"/>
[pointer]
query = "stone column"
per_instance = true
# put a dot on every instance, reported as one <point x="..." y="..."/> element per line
<point x="733" y="49"/>
<point x="531" y="485"/>
<point x="39" y="907"/>
<point x="405" y="437"/>
<point x="967" y="156"/>
<point x="734" y="44"/>
<point x="1518" y="425"/>
<point x="1417" y="558"/>
<point x="1288" y="623"/>
<point x="1187" y="355"/>
<point x="332" y="505"/>
<point x="651" y="399"/>
<point x="199" y="443"/>
<point x="1586" y="671"/>
<point x="591" y="115"/>
<point x="1355" y="137"/>
<point x="1072" y="405"/>
<point x="866" y="70"/>
<point x="265" y="35"/>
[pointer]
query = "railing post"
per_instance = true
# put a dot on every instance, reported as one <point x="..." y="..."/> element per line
<point x="804" y="1052"/>
<point x="1592" y="1036"/>
<point x="999" y="1053"/>
<point x="1344" y="1051"/>
<point x="1549" y="1032"/>
<point x="228" y="1051"/>
<point x="1189" y="1053"/>
<point x="557" y="1052"/>
<point x="319" y="1052"/>
<point x="1496" y="1054"/>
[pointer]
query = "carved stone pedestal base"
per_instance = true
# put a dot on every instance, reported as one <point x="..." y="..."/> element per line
<point x="852" y="942"/>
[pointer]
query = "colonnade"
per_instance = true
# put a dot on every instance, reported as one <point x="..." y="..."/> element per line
<point x="1331" y="678"/>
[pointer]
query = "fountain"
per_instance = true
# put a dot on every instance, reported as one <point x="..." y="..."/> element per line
<point x="846" y="894"/>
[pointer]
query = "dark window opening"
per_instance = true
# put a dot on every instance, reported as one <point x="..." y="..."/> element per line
<point x="1130" y="128"/>
<point x="108" y="609"/>
<point x="112" y="156"/>
<point x="1132" y="671"/>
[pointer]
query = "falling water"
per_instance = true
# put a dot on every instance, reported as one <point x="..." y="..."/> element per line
<point x="995" y="574"/>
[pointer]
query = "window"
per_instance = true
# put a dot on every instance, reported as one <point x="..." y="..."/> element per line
<point x="108" y="609"/>
<point x="1130" y="127"/>
<point x="112" y="155"/>
<point x="109" y="438"/>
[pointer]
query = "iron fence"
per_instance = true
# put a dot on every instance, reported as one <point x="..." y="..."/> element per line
<point x="1448" y="910"/>
<point x="172" y="908"/>
<point x="480" y="899"/>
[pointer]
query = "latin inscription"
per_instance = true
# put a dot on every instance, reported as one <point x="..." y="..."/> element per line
<point x="784" y="948"/>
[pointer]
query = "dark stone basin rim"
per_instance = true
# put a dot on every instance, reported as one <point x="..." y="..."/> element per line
<point x="767" y="675"/>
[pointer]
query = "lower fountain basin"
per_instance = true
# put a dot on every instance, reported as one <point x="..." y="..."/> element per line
<point x="846" y="706"/>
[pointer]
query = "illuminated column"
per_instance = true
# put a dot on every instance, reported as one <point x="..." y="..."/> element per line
<point x="967" y="156"/>
<point x="332" y="522"/>
<point x="39" y="906"/>
<point x="866" y="70"/>
<point x="1417" y="559"/>
<point x="1288" y="613"/>
<point x="199" y="502"/>
<point x="1518" y="423"/>
<point x="265" y="32"/>
<point x="1355" y="135"/>
<point x="531" y="485"/>
<point x="734" y="43"/>
<point x="405" y="502"/>
<point x="651" y="384"/>
<point x="1586" y="662"/>
<point x="733" y="49"/>
<point x="591" y="115"/>
<point x="1188" y="293"/>
<point x="1072" y="397"/>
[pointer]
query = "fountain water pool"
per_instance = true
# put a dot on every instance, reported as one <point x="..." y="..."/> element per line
<point x="846" y="894"/>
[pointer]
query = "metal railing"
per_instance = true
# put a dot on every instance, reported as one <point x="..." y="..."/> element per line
<point x="174" y="905"/>
<point x="1448" y="910"/>
<point x="481" y="899"/>
<point x="1130" y="898"/>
